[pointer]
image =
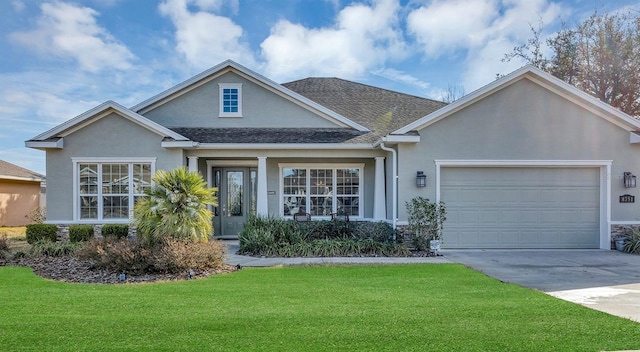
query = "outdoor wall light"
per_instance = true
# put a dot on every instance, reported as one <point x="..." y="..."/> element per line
<point x="421" y="179"/>
<point x="629" y="180"/>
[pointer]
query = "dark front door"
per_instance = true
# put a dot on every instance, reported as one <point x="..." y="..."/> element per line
<point x="236" y="199"/>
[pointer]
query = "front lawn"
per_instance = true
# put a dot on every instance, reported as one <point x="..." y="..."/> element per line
<point x="308" y="308"/>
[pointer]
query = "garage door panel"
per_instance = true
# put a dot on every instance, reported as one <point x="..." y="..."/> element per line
<point x="521" y="207"/>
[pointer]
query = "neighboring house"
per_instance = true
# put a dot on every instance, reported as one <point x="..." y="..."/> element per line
<point x="527" y="161"/>
<point x="19" y="194"/>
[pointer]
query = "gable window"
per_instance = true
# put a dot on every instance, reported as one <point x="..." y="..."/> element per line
<point x="108" y="190"/>
<point x="322" y="190"/>
<point x="230" y="99"/>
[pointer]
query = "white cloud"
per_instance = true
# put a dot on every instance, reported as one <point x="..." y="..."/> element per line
<point x="443" y="27"/>
<point x="362" y="38"/>
<point x="71" y="32"/>
<point x="203" y="38"/>
<point x="18" y="6"/>
<point x="479" y="32"/>
<point x="399" y="76"/>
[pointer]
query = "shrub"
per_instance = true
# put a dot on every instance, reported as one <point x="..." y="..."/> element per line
<point x="80" y="233"/>
<point x="115" y="230"/>
<point x="4" y="242"/>
<point x="37" y="232"/>
<point x="139" y="257"/>
<point x="175" y="206"/>
<point x="632" y="245"/>
<point x="38" y="215"/>
<point x="378" y="231"/>
<point x="426" y="220"/>
<point x="116" y="254"/>
<point x="178" y="255"/>
<point x="53" y="249"/>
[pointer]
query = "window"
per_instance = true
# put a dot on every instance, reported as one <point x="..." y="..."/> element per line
<point x="108" y="190"/>
<point x="230" y="99"/>
<point x="322" y="191"/>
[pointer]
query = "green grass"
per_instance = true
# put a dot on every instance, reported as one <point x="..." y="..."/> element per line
<point x="316" y="308"/>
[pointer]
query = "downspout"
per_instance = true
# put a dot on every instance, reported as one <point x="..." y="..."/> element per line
<point x="394" y="158"/>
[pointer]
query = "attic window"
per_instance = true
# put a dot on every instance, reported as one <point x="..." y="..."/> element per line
<point x="230" y="99"/>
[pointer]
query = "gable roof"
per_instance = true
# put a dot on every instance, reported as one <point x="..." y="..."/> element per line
<point x="541" y="78"/>
<point x="380" y="110"/>
<point x="10" y="171"/>
<point x="54" y="135"/>
<point x="253" y="76"/>
<point x="269" y="135"/>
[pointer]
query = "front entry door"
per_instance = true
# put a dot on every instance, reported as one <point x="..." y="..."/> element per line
<point x="236" y="199"/>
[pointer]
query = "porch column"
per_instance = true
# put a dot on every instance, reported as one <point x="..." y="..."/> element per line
<point x="379" y="199"/>
<point x="262" y="205"/>
<point x="192" y="163"/>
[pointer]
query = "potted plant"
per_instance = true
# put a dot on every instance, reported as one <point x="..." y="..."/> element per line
<point x="426" y="221"/>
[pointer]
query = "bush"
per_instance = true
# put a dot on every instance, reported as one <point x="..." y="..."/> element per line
<point x="632" y="245"/>
<point x="4" y="242"/>
<point x="53" y="249"/>
<point x="37" y="232"/>
<point x="139" y="257"/>
<point x="426" y="221"/>
<point x="115" y="230"/>
<point x="80" y="233"/>
<point x="288" y="238"/>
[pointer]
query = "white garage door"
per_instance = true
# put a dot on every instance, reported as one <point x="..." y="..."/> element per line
<point x="521" y="207"/>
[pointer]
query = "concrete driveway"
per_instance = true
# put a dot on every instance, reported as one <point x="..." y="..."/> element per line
<point x="608" y="281"/>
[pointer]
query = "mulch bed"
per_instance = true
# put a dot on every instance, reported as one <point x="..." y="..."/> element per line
<point x="74" y="270"/>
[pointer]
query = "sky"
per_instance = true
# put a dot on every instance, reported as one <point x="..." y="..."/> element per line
<point x="59" y="59"/>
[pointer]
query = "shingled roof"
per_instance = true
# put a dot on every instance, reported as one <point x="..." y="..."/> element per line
<point x="268" y="135"/>
<point x="15" y="172"/>
<point x="380" y="110"/>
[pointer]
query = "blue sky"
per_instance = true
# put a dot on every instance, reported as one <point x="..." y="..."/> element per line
<point x="61" y="58"/>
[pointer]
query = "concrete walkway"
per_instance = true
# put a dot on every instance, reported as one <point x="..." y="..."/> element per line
<point x="608" y="281"/>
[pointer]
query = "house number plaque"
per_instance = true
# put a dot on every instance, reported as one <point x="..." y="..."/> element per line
<point x="627" y="198"/>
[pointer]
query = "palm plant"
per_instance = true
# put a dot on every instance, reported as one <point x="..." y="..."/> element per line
<point x="175" y="206"/>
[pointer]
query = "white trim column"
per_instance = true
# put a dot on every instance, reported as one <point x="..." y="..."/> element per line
<point x="379" y="199"/>
<point x="262" y="204"/>
<point x="192" y="163"/>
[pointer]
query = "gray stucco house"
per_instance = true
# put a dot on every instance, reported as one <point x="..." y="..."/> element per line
<point x="527" y="161"/>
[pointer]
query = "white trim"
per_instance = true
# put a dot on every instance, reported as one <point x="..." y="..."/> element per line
<point x="226" y="163"/>
<point x="541" y="78"/>
<point x="287" y="146"/>
<point x="179" y="144"/>
<point x="401" y="139"/>
<point x="17" y="178"/>
<point x="253" y="76"/>
<point x="221" y="88"/>
<point x="605" y="182"/>
<point x="100" y="161"/>
<point x="361" y="181"/>
<point x="101" y="111"/>
<point x="58" y="144"/>
<point x="262" y="200"/>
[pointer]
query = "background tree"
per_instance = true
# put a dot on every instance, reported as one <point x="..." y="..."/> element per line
<point x="176" y="207"/>
<point x="600" y="56"/>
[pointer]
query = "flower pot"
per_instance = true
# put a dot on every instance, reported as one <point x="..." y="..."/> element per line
<point x="434" y="245"/>
<point x="620" y="242"/>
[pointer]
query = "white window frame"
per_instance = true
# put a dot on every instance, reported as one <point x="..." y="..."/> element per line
<point x="100" y="162"/>
<point x="222" y="87"/>
<point x="333" y="166"/>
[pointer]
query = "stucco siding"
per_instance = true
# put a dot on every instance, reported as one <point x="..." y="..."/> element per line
<point x="260" y="108"/>
<point x="522" y="122"/>
<point x="18" y="199"/>
<point x="110" y="137"/>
